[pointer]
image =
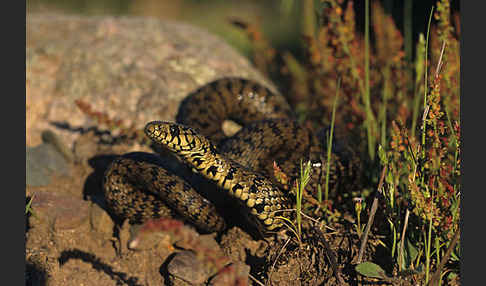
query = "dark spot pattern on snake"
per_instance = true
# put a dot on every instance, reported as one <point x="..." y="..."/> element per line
<point x="241" y="165"/>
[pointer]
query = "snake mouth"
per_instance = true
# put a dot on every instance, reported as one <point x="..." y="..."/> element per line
<point x="174" y="136"/>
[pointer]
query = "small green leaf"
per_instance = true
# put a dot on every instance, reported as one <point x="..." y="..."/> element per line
<point x="451" y="276"/>
<point x="28" y="206"/>
<point x="382" y="155"/>
<point x="370" y="269"/>
<point x="411" y="252"/>
<point x="389" y="178"/>
<point x="419" y="62"/>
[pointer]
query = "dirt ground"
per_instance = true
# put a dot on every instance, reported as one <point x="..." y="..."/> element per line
<point x="70" y="237"/>
<point x="72" y="240"/>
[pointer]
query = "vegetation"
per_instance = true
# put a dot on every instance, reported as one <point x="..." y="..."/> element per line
<point x="399" y="108"/>
<point x="28" y="208"/>
<point x="407" y="111"/>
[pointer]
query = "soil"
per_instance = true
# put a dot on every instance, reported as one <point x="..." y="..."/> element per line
<point x="70" y="237"/>
<point x="72" y="240"/>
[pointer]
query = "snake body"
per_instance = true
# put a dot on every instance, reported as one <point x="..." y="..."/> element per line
<point x="137" y="188"/>
<point x="259" y="197"/>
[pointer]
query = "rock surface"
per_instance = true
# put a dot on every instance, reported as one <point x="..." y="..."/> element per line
<point x="41" y="162"/>
<point x="186" y="266"/>
<point x="61" y="211"/>
<point x="134" y="69"/>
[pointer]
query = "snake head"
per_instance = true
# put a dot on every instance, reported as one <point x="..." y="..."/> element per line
<point x="174" y="136"/>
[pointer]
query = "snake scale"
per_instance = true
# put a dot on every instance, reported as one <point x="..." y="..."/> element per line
<point x="241" y="166"/>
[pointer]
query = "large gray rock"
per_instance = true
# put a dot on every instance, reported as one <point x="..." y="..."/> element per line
<point x="43" y="161"/>
<point x="134" y="69"/>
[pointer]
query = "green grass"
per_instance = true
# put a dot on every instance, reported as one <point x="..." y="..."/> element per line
<point x="28" y="206"/>
<point x="329" y="145"/>
<point x="369" y="122"/>
<point x="299" y="193"/>
<point x="398" y="90"/>
<point x="298" y="189"/>
<point x="428" y="238"/>
<point x="415" y="204"/>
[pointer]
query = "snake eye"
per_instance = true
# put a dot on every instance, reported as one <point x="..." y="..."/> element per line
<point x="174" y="131"/>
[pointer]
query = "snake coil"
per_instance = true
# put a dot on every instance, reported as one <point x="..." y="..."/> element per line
<point x="138" y="188"/>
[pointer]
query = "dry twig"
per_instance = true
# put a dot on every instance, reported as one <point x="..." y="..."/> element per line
<point x="374" y="207"/>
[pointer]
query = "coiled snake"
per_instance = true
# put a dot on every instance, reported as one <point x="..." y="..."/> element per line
<point x="138" y="188"/>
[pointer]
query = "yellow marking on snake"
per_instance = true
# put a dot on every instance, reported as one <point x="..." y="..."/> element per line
<point x="254" y="190"/>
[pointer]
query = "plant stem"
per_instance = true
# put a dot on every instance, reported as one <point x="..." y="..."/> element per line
<point x="28" y="206"/>
<point x="437" y="250"/>
<point x="374" y="207"/>
<point x="445" y="258"/>
<point x="298" y="205"/>
<point x="407" y="30"/>
<point x="402" y="242"/>
<point x="427" y="254"/>
<point x="369" y="113"/>
<point x="308" y="18"/>
<point x="329" y="143"/>
<point x="302" y="182"/>
<point x="394" y="244"/>
<point x="424" y="119"/>
<point x="386" y="93"/>
<point x="419" y="62"/>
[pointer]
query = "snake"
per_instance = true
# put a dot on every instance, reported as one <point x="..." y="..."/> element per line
<point x="138" y="186"/>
